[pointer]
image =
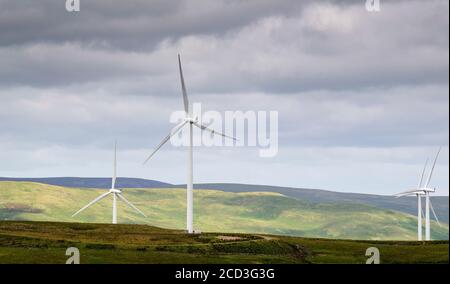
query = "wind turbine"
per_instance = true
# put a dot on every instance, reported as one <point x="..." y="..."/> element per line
<point x="191" y="121"/>
<point x="116" y="193"/>
<point x="424" y="190"/>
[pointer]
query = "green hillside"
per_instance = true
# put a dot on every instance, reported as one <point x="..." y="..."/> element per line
<point x="215" y="211"/>
<point x="45" y="242"/>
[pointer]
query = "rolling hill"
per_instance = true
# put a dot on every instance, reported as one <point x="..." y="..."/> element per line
<point x="215" y="211"/>
<point x="404" y="204"/>
<point x="407" y="204"/>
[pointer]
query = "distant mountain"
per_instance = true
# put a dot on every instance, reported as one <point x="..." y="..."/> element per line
<point x="406" y="204"/>
<point x="104" y="183"/>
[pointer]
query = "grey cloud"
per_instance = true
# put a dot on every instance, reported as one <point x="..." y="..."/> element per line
<point x="136" y="24"/>
<point x="325" y="46"/>
<point x="388" y="117"/>
<point x="383" y="117"/>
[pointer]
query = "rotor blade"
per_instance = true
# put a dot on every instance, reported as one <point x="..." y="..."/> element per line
<point x="432" y="169"/>
<point x="202" y="127"/>
<point x="409" y="192"/>
<point x="91" y="203"/>
<point x="423" y="174"/>
<point x="113" y="185"/>
<point x="166" y="139"/>
<point x="130" y="204"/>
<point x="183" y="87"/>
<point x="434" y="213"/>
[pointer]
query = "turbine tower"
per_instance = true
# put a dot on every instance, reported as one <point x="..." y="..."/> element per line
<point x="424" y="190"/>
<point x="116" y="193"/>
<point x="188" y="119"/>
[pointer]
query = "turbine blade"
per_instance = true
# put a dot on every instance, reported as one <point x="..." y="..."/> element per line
<point x="434" y="213"/>
<point x="91" y="203"/>
<point x="113" y="185"/>
<point x="432" y="169"/>
<point x="166" y="139"/>
<point x="130" y="204"/>
<point x="409" y="192"/>
<point x="202" y="127"/>
<point x="423" y="174"/>
<point x="183" y="87"/>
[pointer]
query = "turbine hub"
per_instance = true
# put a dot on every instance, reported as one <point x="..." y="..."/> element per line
<point x="191" y="120"/>
<point x="428" y="189"/>
<point x="113" y="190"/>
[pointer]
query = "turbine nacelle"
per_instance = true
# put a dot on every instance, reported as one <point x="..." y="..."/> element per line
<point x="190" y="120"/>
<point x="432" y="190"/>
<point x="113" y="190"/>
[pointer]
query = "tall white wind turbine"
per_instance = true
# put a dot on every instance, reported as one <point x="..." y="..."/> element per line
<point x="424" y="190"/>
<point x="191" y="121"/>
<point x="116" y="193"/>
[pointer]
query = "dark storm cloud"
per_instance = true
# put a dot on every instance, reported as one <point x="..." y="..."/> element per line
<point x="244" y="45"/>
<point x="136" y="24"/>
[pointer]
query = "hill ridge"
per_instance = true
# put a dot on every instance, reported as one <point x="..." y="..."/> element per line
<point x="215" y="210"/>
<point x="406" y="205"/>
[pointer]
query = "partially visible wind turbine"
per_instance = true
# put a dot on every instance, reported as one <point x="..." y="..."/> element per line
<point x="188" y="119"/>
<point x="114" y="192"/>
<point x="424" y="190"/>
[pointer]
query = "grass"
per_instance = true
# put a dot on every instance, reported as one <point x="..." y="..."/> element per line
<point x="46" y="242"/>
<point x="215" y="211"/>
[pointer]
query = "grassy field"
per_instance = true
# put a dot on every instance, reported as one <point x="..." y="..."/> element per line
<point x="215" y="211"/>
<point x="44" y="242"/>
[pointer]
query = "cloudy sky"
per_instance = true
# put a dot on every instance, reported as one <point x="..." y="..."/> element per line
<point x="363" y="98"/>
